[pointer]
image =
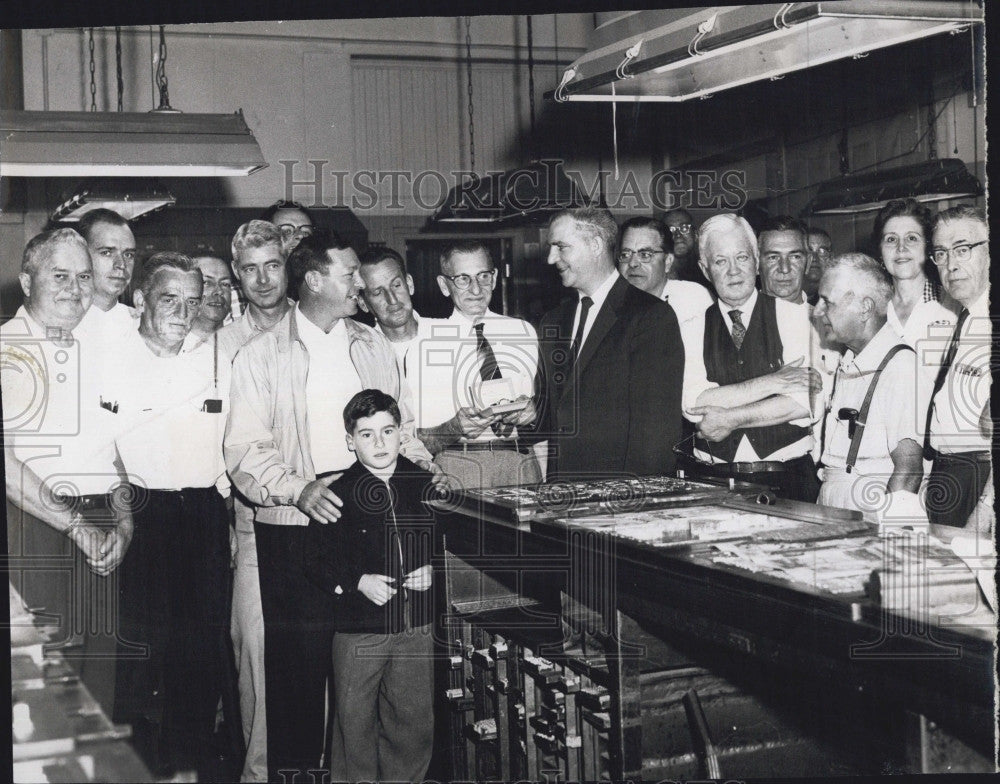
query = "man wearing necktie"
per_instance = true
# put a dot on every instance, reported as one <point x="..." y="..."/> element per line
<point x="471" y="363"/>
<point x="749" y="387"/>
<point x="960" y="489"/>
<point x="612" y="361"/>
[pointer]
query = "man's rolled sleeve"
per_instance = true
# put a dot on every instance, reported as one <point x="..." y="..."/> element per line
<point x="695" y="375"/>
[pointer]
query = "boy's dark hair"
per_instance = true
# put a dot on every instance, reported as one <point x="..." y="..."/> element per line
<point x="366" y="403"/>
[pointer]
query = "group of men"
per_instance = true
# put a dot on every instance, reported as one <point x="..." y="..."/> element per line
<point x="228" y="431"/>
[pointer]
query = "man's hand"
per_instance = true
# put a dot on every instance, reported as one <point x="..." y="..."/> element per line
<point x="89" y="538"/>
<point x="438" y="477"/>
<point x="793" y="379"/>
<point x="377" y="587"/>
<point x="523" y="417"/>
<point x="114" y="547"/>
<point x="472" y="422"/>
<point x="418" y="579"/>
<point x="319" y="502"/>
<point x="715" y="422"/>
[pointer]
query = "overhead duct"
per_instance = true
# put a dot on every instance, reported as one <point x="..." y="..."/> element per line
<point x="679" y="54"/>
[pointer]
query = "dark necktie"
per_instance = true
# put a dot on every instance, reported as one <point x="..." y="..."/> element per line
<point x="585" y="304"/>
<point x="489" y="370"/>
<point x="739" y="331"/>
<point x="946" y="363"/>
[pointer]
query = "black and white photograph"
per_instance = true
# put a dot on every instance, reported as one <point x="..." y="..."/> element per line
<point x="446" y="392"/>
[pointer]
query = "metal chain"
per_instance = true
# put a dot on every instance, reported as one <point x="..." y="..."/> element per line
<point x="468" y="70"/>
<point x="118" y="62"/>
<point x="161" y="73"/>
<point x="93" y="84"/>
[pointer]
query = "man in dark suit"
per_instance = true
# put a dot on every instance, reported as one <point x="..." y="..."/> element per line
<point x="611" y="361"/>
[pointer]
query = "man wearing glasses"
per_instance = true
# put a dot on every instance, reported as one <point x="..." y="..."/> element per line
<point x="293" y="221"/>
<point x="683" y="232"/>
<point x="646" y="259"/>
<point x="476" y="379"/>
<point x="960" y="490"/>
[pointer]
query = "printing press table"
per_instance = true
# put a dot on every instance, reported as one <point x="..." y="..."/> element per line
<point x="581" y="648"/>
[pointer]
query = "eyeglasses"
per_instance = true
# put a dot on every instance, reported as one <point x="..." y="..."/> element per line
<point x="909" y="240"/>
<point x="463" y="281"/>
<point x="288" y="231"/>
<point x="684" y="228"/>
<point x="644" y="255"/>
<point x="958" y="252"/>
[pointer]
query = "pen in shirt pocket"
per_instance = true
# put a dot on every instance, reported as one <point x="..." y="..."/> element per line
<point x="108" y="405"/>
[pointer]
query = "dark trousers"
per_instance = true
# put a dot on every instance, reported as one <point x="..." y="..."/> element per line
<point x="175" y="601"/>
<point x="298" y="634"/>
<point x="956" y="483"/>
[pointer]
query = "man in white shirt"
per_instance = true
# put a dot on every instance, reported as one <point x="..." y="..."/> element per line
<point x="168" y="394"/>
<point x="960" y="489"/>
<point x="872" y="459"/>
<point x="748" y="390"/>
<point x="473" y="360"/>
<point x="259" y="265"/>
<point x="285" y="444"/>
<point x="112" y="251"/>
<point x="216" y="296"/>
<point x="784" y="259"/>
<point x="64" y="491"/>
<point x="646" y="258"/>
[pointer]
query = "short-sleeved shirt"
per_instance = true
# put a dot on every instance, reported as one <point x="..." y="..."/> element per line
<point x="51" y="403"/>
<point x="689" y="300"/>
<point x="894" y="414"/>
<point x="166" y="438"/>
<point x="449" y="368"/>
<point x="958" y="406"/>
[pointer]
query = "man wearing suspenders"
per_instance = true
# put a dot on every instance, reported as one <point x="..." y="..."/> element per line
<point x="872" y="444"/>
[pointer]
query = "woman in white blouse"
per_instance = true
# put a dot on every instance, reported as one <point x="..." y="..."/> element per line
<point x="916" y="313"/>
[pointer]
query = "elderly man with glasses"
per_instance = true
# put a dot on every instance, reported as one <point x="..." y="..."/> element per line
<point x="476" y="379"/>
<point x="960" y="490"/>
<point x="646" y="259"/>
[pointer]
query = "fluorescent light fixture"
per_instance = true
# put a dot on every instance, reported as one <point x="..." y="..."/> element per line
<point x="929" y="181"/>
<point x="128" y="196"/>
<point x="126" y="144"/>
<point x="677" y="55"/>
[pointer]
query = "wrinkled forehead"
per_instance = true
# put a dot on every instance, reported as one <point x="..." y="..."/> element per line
<point x="729" y="240"/>
<point x="384" y="271"/>
<point x="467" y="263"/>
<point x="212" y="266"/>
<point x="344" y="260"/>
<point x="782" y="240"/>
<point x="171" y="279"/>
<point x="953" y="232"/>
<point x="66" y="256"/>
<point x="641" y="237"/>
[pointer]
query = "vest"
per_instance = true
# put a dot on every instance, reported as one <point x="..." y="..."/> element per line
<point x="760" y="354"/>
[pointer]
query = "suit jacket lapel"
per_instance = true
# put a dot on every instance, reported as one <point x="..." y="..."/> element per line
<point x="606" y="317"/>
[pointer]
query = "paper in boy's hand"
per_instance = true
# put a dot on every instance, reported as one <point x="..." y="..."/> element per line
<point x="497" y="396"/>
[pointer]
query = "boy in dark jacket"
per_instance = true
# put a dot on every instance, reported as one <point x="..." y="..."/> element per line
<point x="377" y="561"/>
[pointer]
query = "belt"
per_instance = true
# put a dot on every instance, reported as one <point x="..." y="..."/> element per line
<point x="88" y="502"/>
<point x="963" y="457"/>
<point x="758" y="467"/>
<point x="496" y="445"/>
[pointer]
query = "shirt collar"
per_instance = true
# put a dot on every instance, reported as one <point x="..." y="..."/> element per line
<point x="746" y="309"/>
<point x="311" y="335"/>
<point x="871" y="356"/>
<point x="930" y="291"/>
<point x="601" y="292"/>
<point x="465" y="322"/>
<point x="981" y="307"/>
<point x="38" y="330"/>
